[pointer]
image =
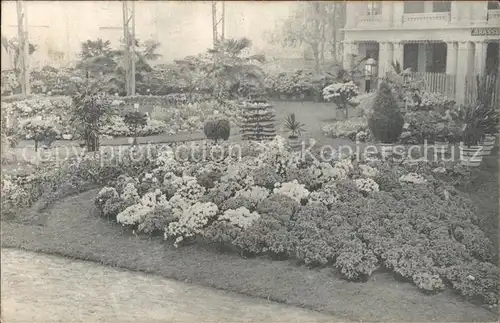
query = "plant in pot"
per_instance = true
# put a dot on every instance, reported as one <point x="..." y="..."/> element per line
<point x="489" y="114"/>
<point x="341" y="94"/>
<point x="135" y="120"/>
<point x="489" y="123"/>
<point x="294" y="128"/>
<point x="472" y="133"/>
<point x="385" y="121"/>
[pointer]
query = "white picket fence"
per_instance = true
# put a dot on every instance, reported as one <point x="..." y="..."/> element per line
<point x="436" y="82"/>
<point x="446" y="84"/>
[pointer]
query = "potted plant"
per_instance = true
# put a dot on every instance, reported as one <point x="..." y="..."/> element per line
<point x="135" y="120"/>
<point x="489" y="122"/>
<point x="294" y="128"/>
<point x="489" y="115"/>
<point x="385" y="121"/>
<point x="472" y="133"/>
<point x="341" y="94"/>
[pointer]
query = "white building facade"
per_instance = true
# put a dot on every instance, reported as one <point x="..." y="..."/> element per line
<point x="455" y="38"/>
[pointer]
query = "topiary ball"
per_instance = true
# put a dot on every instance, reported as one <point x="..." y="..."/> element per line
<point x="217" y="129"/>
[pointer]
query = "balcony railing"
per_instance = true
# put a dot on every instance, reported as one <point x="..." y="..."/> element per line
<point x="425" y="18"/>
<point x="369" y="20"/>
<point x="494" y="14"/>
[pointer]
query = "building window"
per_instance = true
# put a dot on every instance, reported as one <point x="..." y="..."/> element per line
<point x="437" y="52"/>
<point x="441" y="6"/>
<point x="410" y="57"/>
<point x="492" y="5"/>
<point x="374" y="8"/>
<point x="414" y="7"/>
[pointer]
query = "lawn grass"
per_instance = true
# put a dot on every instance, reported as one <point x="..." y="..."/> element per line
<point x="71" y="228"/>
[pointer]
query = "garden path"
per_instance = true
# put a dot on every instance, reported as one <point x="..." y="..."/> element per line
<point x="42" y="288"/>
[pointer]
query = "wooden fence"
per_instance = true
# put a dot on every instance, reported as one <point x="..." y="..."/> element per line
<point x="445" y="84"/>
<point x="436" y="82"/>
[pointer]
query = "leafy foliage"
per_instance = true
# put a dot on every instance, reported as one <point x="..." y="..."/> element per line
<point x="40" y="130"/>
<point x="217" y="129"/>
<point x="231" y="68"/>
<point x="386" y="122"/>
<point x="293" y="125"/>
<point x="91" y="110"/>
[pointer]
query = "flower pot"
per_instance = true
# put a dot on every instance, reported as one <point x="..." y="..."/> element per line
<point x="488" y="143"/>
<point x="294" y="142"/>
<point x="471" y="156"/>
<point x="302" y="96"/>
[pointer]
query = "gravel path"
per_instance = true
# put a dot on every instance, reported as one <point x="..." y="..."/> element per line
<point x="41" y="288"/>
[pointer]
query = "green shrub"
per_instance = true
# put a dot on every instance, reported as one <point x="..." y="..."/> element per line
<point x="385" y="122"/>
<point x="236" y="202"/>
<point x="217" y="129"/>
<point x="156" y="220"/>
<point x="278" y="206"/>
<point x="266" y="176"/>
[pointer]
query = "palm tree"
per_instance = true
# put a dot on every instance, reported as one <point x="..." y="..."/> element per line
<point x="95" y="48"/>
<point x="231" y="68"/>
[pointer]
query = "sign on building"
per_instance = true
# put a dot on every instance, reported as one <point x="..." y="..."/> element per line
<point x="486" y="31"/>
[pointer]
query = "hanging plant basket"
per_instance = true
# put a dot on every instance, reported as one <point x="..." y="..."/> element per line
<point x="471" y="156"/>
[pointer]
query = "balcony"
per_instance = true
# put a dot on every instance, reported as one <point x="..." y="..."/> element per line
<point x="494" y="16"/>
<point x="369" y="20"/>
<point x="426" y="19"/>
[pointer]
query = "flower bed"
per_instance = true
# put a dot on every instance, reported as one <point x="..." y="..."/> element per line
<point x="355" y="129"/>
<point x="170" y="114"/>
<point x="352" y="217"/>
<point x="296" y="85"/>
<point x="190" y="117"/>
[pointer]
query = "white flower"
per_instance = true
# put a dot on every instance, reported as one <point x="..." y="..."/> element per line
<point x="413" y="178"/>
<point x="293" y="190"/>
<point x="192" y="221"/>
<point x="179" y="204"/>
<point x="440" y="170"/>
<point x="366" y="185"/>
<point x="368" y="171"/>
<point x="349" y="90"/>
<point x="106" y="193"/>
<point x="150" y="199"/>
<point x="254" y="193"/>
<point x="134" y="214"/>
<point x="130" y="193"/>
<point x="240" y="217"/>
<point x="327" y="195"/>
